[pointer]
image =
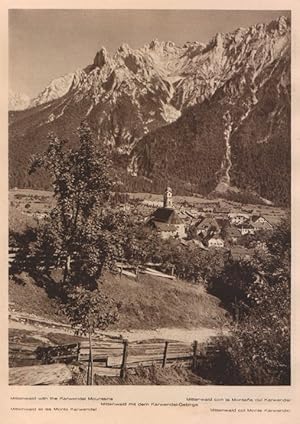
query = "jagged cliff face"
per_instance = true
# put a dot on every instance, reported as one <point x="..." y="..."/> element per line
<point x="127" y="97"/>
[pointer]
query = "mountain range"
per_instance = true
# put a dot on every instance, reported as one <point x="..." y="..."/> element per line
<point x="209" y="118"/>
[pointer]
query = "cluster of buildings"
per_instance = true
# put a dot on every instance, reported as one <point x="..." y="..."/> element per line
<point x="209" y="227"/>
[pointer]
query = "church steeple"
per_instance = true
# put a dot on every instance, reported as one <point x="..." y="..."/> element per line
<point x="168" y="201"/>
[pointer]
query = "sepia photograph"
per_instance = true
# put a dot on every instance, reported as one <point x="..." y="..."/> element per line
<point x="149" y="197"/>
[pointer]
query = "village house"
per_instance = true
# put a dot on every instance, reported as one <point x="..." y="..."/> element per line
<point x="260" y="223"/>
<point x="165" y="219"/>
<point x="151" y="203"/>
<point x="208" y="209"/>
<point x="216" y="242"/>
<point x="261" y="246"/>
<point x="247" y="229"/>
<point x="238" y="218"/>
<point x="208" y="225"/>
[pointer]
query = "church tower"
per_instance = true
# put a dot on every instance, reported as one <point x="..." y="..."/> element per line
<point x="168" y="201"/>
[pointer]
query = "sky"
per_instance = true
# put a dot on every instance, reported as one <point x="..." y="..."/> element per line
<point x="45" y="44"/>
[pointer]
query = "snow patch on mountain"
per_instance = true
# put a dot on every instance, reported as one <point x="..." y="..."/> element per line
<point x="57" y="88"/>
<point x="18" y="101"/>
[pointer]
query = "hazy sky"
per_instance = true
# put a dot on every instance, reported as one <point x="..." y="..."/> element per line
<point x="45" y="44"/>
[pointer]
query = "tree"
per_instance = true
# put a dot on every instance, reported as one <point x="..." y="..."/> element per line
<point x="75" y="238"/>
<point x="258" y="351"/>
<point x="81" y="187"/>
<point x="231" y="285"/>
<point x="89" y="310"/>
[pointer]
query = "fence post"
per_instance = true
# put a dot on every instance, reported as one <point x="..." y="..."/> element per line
<point x="90" y="377"/>
<point x="195" y="346"/>
<point x="165" y="355"/>
<point x="88" y="371"/>
<point x="78" y="352"/>
<point x="124" y="359"/>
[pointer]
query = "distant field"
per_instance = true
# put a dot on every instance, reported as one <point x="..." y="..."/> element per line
<point x="27" y="207"/>
<point x="27" y="204"/>
<point x="30" y="192"/>
<point x="272" y="212"/>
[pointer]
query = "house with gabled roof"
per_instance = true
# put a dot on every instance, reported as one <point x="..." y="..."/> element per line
<point x="261" y="223"/>
<point x="207" y="225"/>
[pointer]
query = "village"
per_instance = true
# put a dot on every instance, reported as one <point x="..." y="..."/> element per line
<point x="216" y="224"/>
<point x="209" y="224"/>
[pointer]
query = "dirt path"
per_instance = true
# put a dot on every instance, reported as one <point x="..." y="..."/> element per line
<point x="180" y="334"/>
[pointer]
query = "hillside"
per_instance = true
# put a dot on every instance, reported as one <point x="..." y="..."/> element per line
<point x="197" y="114"/>
<point x="149" y="303"/>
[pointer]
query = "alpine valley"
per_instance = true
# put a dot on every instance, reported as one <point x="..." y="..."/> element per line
<point x="212" y="118"/>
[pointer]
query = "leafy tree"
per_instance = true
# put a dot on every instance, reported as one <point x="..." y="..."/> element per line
<point x="258" y="351"/>
<point x="231" y="285"/>
<point x="75" y="234"/>
<point x="81" y="187"/>
<point x="88" y="311"/>
<point x="191" y="232"/>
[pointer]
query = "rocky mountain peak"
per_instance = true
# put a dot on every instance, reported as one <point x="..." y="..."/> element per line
<point x="124" y="48"/>
<point x="154" y="44"/>
<point x="219" y="40"/>
<point x="280" y="26"/>
<point x="101" y="57"/>
<point x="283" y="25"/>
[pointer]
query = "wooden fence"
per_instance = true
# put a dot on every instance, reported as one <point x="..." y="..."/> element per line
<point x="118" y="357"/>
<point x="126" y="269"/>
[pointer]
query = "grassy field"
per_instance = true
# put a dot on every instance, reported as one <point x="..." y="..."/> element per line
<point x="157" y="302"/>
<point x="149" y="303"/>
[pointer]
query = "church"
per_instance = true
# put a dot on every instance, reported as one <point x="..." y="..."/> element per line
<point x="165" y="220"/>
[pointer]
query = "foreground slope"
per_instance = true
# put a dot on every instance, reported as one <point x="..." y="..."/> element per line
<point x="147" y="304"/>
